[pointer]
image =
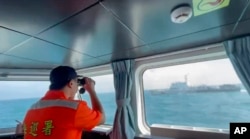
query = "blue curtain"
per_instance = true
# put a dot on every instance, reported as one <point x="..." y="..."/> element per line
<point x="238" y="51"/>
<point x="123" y="127"/>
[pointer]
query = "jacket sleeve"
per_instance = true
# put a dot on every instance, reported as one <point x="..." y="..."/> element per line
<point x="86" y="118"/>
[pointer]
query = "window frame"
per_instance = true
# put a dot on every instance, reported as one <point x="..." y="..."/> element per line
<point x="200" y="54"/>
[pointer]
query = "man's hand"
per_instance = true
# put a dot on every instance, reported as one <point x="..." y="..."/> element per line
<point x="89" y="85"/>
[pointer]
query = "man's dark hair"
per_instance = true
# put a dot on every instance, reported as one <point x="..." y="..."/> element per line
<point x="60" y="76"/>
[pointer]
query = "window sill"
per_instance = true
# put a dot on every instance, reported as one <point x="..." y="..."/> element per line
<point x="187" y="132"/>
<point x="103" y="129"/>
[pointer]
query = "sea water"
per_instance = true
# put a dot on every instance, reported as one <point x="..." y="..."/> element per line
<point x="213" y="110"/>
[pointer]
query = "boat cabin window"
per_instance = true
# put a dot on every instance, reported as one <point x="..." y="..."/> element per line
<point x="204" y="94"/>
<point x="17" y="97"/>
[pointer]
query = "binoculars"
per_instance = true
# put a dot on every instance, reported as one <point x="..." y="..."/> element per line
<point x="81" y="80"/>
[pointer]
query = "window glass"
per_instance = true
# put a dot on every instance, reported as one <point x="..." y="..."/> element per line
<point x="17" y="97"/>
<point x="204" y="94"/>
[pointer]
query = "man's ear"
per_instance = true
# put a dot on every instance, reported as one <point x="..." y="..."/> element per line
<point x="70" y="84"/>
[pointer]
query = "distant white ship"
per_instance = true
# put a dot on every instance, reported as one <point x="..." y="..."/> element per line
<point x="182" y="87"/>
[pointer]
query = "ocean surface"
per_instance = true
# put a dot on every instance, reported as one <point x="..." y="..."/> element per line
<point x="211" y="110"/>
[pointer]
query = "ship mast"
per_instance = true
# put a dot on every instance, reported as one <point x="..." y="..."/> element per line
<point x="186" y="79"/>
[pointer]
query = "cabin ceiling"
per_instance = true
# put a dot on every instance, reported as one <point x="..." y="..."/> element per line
<point x="42" y="34"/>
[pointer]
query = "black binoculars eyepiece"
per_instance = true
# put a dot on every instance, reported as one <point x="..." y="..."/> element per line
<point x="81" y="81"/>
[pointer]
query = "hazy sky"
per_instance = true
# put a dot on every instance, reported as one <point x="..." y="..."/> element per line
<point x="31" y="89"/>
<point x="203" y="73"/>
<point x="210" y="73"/>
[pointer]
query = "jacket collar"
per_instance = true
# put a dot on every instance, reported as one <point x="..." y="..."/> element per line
<point x="54" y="94"/>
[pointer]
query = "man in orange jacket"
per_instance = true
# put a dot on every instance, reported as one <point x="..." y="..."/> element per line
<point x="57" y="115"/>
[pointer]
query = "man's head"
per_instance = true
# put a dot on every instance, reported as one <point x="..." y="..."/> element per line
<point x="64" y="78"/>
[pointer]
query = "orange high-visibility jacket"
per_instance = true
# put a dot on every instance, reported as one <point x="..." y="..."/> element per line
<point x="55" y="117"/>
